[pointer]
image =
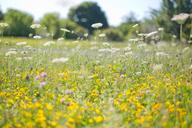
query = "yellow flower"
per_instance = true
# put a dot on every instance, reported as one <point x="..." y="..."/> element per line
<point x="49" y="106"/>
<point x="98" y="119"/>
<point x="40" y="118"/>
<point x="156" y="107"/>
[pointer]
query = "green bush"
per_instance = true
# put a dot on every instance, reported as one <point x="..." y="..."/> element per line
<point x="19" y="23"/>
<point x="75" y="29"/>
<point x="113" y="34"/>
<point x="51" y="22"/>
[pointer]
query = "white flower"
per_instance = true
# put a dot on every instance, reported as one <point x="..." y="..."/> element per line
<point x="37" y="37"/>
<point x="60" y="60"/>
<point x="97" y="25"/>
<point x="24" y="58"/>
<point x="114" y="50"/>
<point x="151" y="34"/>
<point x="65" y="30"/>
<point x="133" y="40"/>
<point x="102" y="35"/>
<point x="174" y="36"/>
<point x="60" y="39"/>
<point x="181" y="18"/>
<point x="161" y="54"/>
<point x="9" y="53"/>
<point x="86" y="35"/>
<point x="3" y="25"/>
<point x="186" y="49"/>
<point x="104" y="50"/>
<point x="160" y="29"/>
<point x="157" y="67"/>
<point x="21" y="43"/>
<point x="48" y="43"/>
<point x="35" y="26"/>
<point x="127" y="49"/>
<point x="141" y="45"/>
<point x="134" y="26"/>
<point x="190" y="67"/>
<point x="28" y="47"/>
<point x="105" y="44"/>
<point x="128" y="53"/>
<point x="142" y="34"/>
<point x="12" y="49"/>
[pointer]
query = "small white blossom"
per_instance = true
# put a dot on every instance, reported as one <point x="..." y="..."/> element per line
<point x="49" y="43"/>
<point x="4" y="25"/>
<point x="9" y="53"/>
<point x="21" y="43"/>
<point x="134" y="26"/>
<point x="65" y="30"/>
<point x="37" y="37"/>
<point x="102" y="35"/>
<point x="97" y="25"/>
<point x="105" y="44"/>
<point x="35" y="26"/>
<point x="157" y="67"/>
<point x="180" y="18"/>
<point x="60" y="60"/>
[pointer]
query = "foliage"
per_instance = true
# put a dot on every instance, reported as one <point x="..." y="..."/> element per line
<point x="75" y="30"/>
<point x="19" y="23"/>
<point x="86" y="14"/>
<point x="127" y="26"/>
<point x="52" y="24"/>
<point x="113" y="34"/>
<point x="1" y="15"/>
<point x="169" y="8"/>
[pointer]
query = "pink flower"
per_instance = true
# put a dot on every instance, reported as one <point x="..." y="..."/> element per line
<point x="37" y="77"/>
<point x="43" y="74"/>
<point x="42" y="84"/>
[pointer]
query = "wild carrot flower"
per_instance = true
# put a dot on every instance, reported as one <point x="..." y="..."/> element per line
<point x="97" y="25"/>
<point x="60" y="60"/>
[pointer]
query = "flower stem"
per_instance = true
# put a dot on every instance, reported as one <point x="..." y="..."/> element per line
<point x="181" y="31"/>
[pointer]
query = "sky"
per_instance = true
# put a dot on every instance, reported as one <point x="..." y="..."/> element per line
<point x="115" y="10"/>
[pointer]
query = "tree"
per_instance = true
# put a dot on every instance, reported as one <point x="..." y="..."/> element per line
<point x="168" y="9"/>
<point x="86" y="14"/>
<point x="75" y="30"/>
<point x="19" y="23"/>
<point x="52" y="24"/>
<point x="1" y="15"/>
<point x="131" y="18"/>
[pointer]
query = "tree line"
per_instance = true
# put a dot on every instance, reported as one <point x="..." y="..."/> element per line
<point x="81" y="17"/>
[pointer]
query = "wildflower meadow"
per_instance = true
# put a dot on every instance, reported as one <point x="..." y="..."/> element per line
<point x="94" y="84"/>
<point x="82" y="72"/>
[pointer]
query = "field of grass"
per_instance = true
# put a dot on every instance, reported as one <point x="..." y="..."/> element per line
<point x="94" y="85"/>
